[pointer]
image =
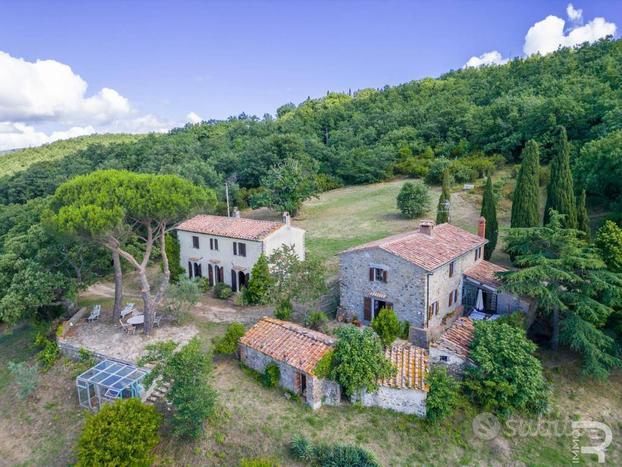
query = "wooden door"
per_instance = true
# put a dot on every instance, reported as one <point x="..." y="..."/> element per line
<point x="234" y="276"/>
<point x="367" y="309"/>
<point x="210" y="275"/>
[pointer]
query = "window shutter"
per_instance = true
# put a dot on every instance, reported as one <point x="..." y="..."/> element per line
<point x="389" y="305"/>
<point x="210" y="275"/>
<point x="385" y="275"/>
<point x="371" y="274"/>
<point x="235" y="248"/>
<point x="216" y="244"/>
<point x="367" y="309"/>
<point x="189" y="269"/>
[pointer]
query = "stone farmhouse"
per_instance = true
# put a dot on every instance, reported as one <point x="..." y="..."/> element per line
<point x="428" y="277"/>
<point x="296" y="350"/>
<point x="225" y="249"/>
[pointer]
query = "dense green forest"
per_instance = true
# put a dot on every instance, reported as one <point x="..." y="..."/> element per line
<point x="466" y="120"/>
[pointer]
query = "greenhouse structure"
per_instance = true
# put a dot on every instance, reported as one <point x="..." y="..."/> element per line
<point x="107" y="381"/>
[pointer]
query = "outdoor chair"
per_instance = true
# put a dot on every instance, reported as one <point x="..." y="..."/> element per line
<point x="128" y="309"/>
<point x="95" y="313"/>
<point x="127" y="328"/>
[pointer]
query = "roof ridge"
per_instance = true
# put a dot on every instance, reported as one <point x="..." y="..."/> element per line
<point x="295" y="327"/>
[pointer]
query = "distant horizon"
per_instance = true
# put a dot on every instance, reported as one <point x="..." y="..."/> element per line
<point x="143" y="68"/>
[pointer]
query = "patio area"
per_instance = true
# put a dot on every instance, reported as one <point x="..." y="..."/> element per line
<point x="106" y="337"/>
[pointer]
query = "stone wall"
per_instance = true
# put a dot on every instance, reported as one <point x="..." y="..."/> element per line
<point x="454" y="363"/>
<point x="408" y="401"/>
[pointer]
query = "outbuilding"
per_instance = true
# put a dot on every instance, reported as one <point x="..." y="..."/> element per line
<point x="296" y="351"/>
<point x="451" y="348"/>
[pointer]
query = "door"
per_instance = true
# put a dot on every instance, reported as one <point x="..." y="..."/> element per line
<point x="303" y="384"/>
<point x="189" y="269"/>
<point x="367" y="309"/>
<point x="242" y="280"/>
<point x="233" y="281"/>
<point x="210" y="275"/>
<point x="197" y="270"/>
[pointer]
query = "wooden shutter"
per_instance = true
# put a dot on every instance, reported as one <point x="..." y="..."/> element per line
<point x="216" y="244"/>
<point x="210" y="275"/>
<point x="233" y="277"/>
<point x="451" y="298"/>
<point x="211" y="243"/>
<point x="189" y="269"/>
<point x="371" y="274"/>
<point x="242" y="248"/>
<point x="235" y="248"/>
<point x="367" y="309"/>
<point x="385" y="275"/>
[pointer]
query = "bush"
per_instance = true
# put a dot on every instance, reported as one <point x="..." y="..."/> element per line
<point x="271" y="376"/>
<point x="328" y="182"/>
<point x="507" y="377"/>
<point x="284" y="310"/>
<point x="414" y="199"/>
<point x="515" y="319"/>
<point x="121" y="433"/>
<point x="48" y="354"/>
<point x="387" y="326"/>
<point x="259" y="462"/>
<point x="316" y="319"/>
<point x="437" y="170"/>
<point x="333" y="455"/>
<point x="228" y="344"/>
<point x="258" y="290"/>
<point x="324" y="365"/>
<point x="413" y="167"/>
<point x="443" y="394"/>
<point x="203" y="283"/>
<point x="222" y="291"/>
<point x="405" y="330"/>
<point x="26" y="378"/>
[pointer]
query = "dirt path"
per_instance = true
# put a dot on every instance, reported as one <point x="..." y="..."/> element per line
<point x="220" y="311"/>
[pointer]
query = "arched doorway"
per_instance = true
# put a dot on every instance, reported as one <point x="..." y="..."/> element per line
<point x="242" y="279"/>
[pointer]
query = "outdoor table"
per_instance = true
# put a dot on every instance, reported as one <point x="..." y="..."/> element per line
<point x="138" y="319"/>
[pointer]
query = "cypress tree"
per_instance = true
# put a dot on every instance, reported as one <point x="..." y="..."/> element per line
<point x="525" y="201"/>
<point x="258" y="290"/>
<point x="442" y="213"/>
<point x="560" y="191"/>
<point x="583" y="220"/>
<point x="489" y="212"/>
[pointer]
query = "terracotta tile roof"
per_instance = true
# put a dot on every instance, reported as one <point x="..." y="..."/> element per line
<point x="456" y="337"/>
<point x="288" y="342"/>
<point x="485" y="272"/>
<point x="446" y="243"/>
<point x="233" y="227"/>
<point x="412" y="365"/>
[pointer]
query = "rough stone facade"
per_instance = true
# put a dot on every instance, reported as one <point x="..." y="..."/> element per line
<point x="454" y="363"/>
<point x="318" y="391"/>
<point x="404" y="400"/>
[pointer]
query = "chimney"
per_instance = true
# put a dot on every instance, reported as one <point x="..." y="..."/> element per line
<point x="287" y="220"/>
<point x="236" y="212"/>
<point x="426" y="226"/>
<point x="481" y="227"/>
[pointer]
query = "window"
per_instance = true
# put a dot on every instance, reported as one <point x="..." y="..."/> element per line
<point x="451" y="298"/>
<point x="378" y="275"/>
<point x="456" y="296"/>
<point x="451" y="269"/>
<point x="213" y="244"/>
<point x="195" y="241"/>
<point x="432" y="310"/>
<point x="444" y="358"/>
<point x="478" y="253"/>
<point x="239" y="249"/>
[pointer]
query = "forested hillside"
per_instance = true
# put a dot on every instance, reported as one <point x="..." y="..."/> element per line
<point x="14" y="161"/>
<point x="466" y="120"/>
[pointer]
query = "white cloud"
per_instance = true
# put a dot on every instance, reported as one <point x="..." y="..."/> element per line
<point x="548" y="35"/>
<point x="20" y="135"/>
<point x="193" y="118"/>
<point x="574" y="15"/>
<point x="489" y="58"/>
<point x="47" y="90"/>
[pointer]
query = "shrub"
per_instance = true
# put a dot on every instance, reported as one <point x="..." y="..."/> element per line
<point x="443" y="394"/>
<point x="437" y="170"/>
<point x="413" y="167"/>
<point x="301" y="448"/>
<point x="180" y="298"/>
<point x="324" y="365"/>
<point x="222" y="291"/>
<point x="26" y="378"/>
<point x="271" y="376"/>
<point x="316" y="319"/>
<point x="405" y="330"/>
<point x="507" y="376"/>
<point x="228" y="344"/>
<point x="259" y="462"/>
<point x="328" y="182"/>
<point x="121" y="433"/>
<point x="413" y="199"/>
<point x="515" y="319"/>
<point x="258" y="290"/>
<point x="359" y="361"/>
<point x="203" y="283"/>
<point x="387" y="326"/>
<point x="333" y="455"/>
<point x="48" y="354"/>
<point x="283" y="310"/>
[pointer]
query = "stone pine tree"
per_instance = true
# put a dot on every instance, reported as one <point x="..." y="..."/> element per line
<point x="489" y="212"/>
<point x="560" y="190"/>
<point x="525" y="202"/>
<point x="583" y="220"/>
<point x="442" y="210"/>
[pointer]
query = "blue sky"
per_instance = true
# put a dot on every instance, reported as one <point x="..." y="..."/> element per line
<point x="166" y="59"/>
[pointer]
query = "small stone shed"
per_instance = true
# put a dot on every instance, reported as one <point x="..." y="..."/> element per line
<point x="407" y="391"/>
<point x="451" y="348"/>
<point x="296" y="350"/>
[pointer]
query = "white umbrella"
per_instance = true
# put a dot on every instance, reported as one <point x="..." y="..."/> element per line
<point x="479" y="303"/>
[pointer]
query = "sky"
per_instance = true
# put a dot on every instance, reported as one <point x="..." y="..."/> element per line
<point x="72" y="68"/>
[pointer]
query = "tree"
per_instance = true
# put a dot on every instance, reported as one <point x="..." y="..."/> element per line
<point x="489" y="212"/>
<point x="228" y="344"/>
<point x="387" y="326"/>
<point x="288" y="185"/>
<point x="560" y="190"/>
<point x="258" y="290"/>
<point x="506" y="376"/>
<point x="609" y="242"/>
<point x="112" y="207"/>
<point x="443" y="395"/>
<point x="122" y="433"/>
<point x="359" y="361"/>
<point x="180" y="297"/>
<point x="442" y="210"/>
<point x="173" y="254"/>
<point x="187" y="371"/>
<point x="413" y="199"/>
<point x="583" y="219"/>
<point x="526" y="197"/>
<point x="572" y="285"/>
